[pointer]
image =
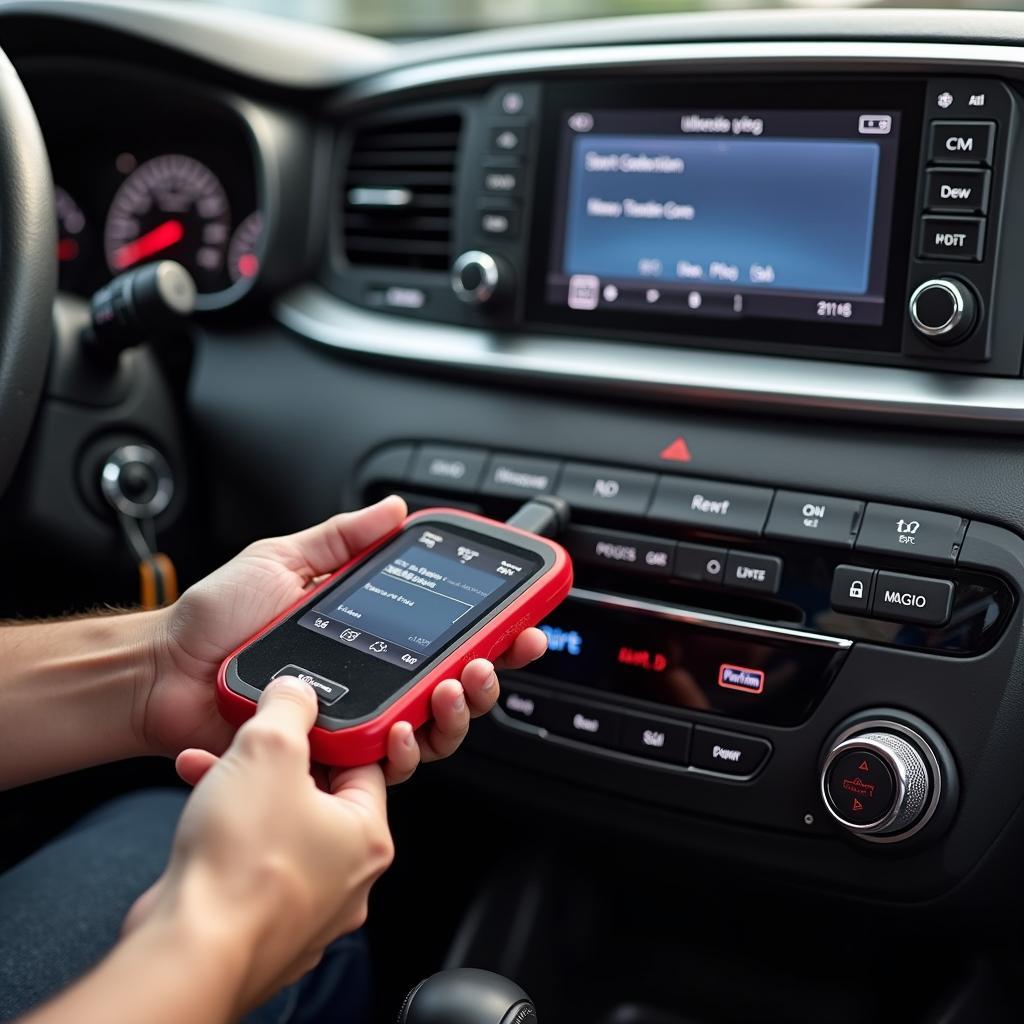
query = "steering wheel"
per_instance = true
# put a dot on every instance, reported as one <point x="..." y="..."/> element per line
<point x="28" y="267"/>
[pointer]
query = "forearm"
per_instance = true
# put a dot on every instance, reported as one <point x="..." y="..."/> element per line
<point x="69" y="693"/>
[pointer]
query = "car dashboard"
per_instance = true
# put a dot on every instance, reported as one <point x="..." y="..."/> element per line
<point x="741" y="290"/>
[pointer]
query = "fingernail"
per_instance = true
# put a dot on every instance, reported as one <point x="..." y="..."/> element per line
<point x="460" y="702"/>
<point x="490" y="683"/>
<point x="409" y="740"/>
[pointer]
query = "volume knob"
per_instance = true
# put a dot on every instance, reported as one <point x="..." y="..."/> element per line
<point x="943" y="310"/>
<point x="878" y="782"/>
<point x="479" y="278"/>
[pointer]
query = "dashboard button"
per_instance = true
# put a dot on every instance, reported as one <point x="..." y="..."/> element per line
<point x="727" y="752"/>
<point x="500" y="223"/>
<point x="952" y="238"/>
<point x="911" y="532"/>
<point x="796" y="515"/>
<point x="502" y="181"/>
<point x="860" y="787"/>
<point x="630" y="551"/>
<point x="700" y="563"/>
<point x="440" y="465"/>
<point x="851" y="589"/>
<point x="962" y="142"/>
<point x="957" y="190"/>
<point x="912" y="599"/>
<point x="606" y="488"/>
<point x="523" y="705"/>
<point x="735" y="508"/>
<point x="327" y="691"/>
<point x="519" y="476"/>
<point x="759" y="573"/>
<point x="581" y="721"/>
<point x="509" y="140"/>
<point x="660" y="739"/>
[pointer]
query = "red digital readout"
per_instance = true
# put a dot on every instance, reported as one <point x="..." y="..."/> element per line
<point x="650" y="661"/>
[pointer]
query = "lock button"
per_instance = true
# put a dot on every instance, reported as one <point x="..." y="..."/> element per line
<point x="851" y="589"/>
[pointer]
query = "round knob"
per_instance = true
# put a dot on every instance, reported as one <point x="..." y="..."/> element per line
<point x="878" y="782"/>
<point x="465" y="995"/>
<point x="477" y="278"/>
<point x="943" y="310"/>
<point x="136" y="480"/>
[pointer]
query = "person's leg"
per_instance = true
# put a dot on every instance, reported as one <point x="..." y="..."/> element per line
<point x="61" y="911"/>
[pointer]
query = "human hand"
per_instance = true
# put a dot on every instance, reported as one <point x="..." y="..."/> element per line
<point x="177" y="707"/>
<point x="266" y="868"/>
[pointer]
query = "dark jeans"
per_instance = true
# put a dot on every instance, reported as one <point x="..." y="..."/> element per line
<point x="61" y="911"/>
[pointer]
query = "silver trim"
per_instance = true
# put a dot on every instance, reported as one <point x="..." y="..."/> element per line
<point x="922" y="746"/>
<point x="693" y="617"/>
<point x="952" y="289"/>
<point x="489" y="277"/>
<point x="736" y="379"/>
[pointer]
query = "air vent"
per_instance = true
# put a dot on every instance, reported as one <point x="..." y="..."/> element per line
<point x="398" y="193"/>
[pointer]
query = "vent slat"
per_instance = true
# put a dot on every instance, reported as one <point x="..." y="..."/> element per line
<point x="417" y="157"/>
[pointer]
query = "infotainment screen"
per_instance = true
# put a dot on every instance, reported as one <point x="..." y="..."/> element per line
<point x="741" y="214"/>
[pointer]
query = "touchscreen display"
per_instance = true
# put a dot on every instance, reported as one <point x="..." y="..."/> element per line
<point x="728" y="214"/>
<point x="426" y="587"/>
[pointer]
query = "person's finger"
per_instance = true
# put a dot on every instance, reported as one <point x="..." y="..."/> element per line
<point x="527" y="647"/>
<point x="450" y="713"/>
<point x="280" y="728"/>
<point x="191" y="765"/>
<point x="403" y="754"/>
<point x="480" y="683"/>
<point x="141" y="908"/>
<point x="330" y="544"/>
<point x="363" y="787"/>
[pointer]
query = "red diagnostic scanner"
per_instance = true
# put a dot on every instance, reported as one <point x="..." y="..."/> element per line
<point x="376" y="638"/>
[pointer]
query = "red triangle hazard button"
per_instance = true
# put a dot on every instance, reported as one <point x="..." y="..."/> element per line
<point x="677" y="451"/>
<point x="864" y="766"/>
<point x="857" y="805"/>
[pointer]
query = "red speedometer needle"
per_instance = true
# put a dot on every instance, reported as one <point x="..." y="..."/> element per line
<point x="163" y="236"/>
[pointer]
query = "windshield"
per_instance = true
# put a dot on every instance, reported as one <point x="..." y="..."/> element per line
<point x="411" y="18"/>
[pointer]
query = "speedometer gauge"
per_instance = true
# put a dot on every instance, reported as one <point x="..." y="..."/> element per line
<point x="170" y="207"/>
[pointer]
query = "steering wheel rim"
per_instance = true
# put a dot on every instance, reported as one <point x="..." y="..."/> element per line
<point x="28" y="267"/>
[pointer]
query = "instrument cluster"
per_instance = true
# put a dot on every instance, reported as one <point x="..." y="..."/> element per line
<point x="145" y="173"/>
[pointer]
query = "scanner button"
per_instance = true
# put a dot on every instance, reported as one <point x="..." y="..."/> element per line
<point x="327" y="691"/>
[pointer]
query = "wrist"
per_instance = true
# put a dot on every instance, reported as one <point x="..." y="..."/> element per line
<point x="147" y="634"/>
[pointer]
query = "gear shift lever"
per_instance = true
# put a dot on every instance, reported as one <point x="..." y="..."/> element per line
<point x="467" y="996"/>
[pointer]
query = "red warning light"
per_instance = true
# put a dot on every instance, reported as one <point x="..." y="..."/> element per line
<point x="650" y="661"/>
<point x="857" y="805"/>
<point x="677" y="451"/>
<point x="864" y="766"/>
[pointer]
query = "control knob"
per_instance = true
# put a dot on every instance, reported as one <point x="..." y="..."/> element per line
<point x="479" y="278"/>
<point x="880" y="781"/>
<point x="944" y="310"/>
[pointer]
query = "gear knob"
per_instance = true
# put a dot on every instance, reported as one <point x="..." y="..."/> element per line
<point x="467" y="996"/>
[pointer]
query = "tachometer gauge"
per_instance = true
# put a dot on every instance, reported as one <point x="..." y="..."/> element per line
<point x="170" y="207"/>
<point x="74" y="245"/>
<point x="244" y="248"/>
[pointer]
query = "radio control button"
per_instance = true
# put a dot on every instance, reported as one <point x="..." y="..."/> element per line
<point x="519" y="476"/>
<point x="962" y="142"/>
<point x="524" y="705"/>
<point x="957" y="190"/>
<point x="911" y="533"/>
<point x="727" y="752"/>
<point x="813" y="517"/>
<point x="851" y="589"/>
<point x="912" y="599"/>
<point x="500" y="223"/>
<point x="700" y="563"/>
<point x="606" y="488"/>
<point x="621" y="550"/>
<point x="952" y="238"/>
<point x="509" y="140"/>
<point x="711" y="504"/>
<point x="943" y="310"/>
<point x="650" y="736"/>
<point x="578" y="720"/>
<point x="440" y="466"/>
<point x="759" y="573"/>
<point x="502" y="181"/>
